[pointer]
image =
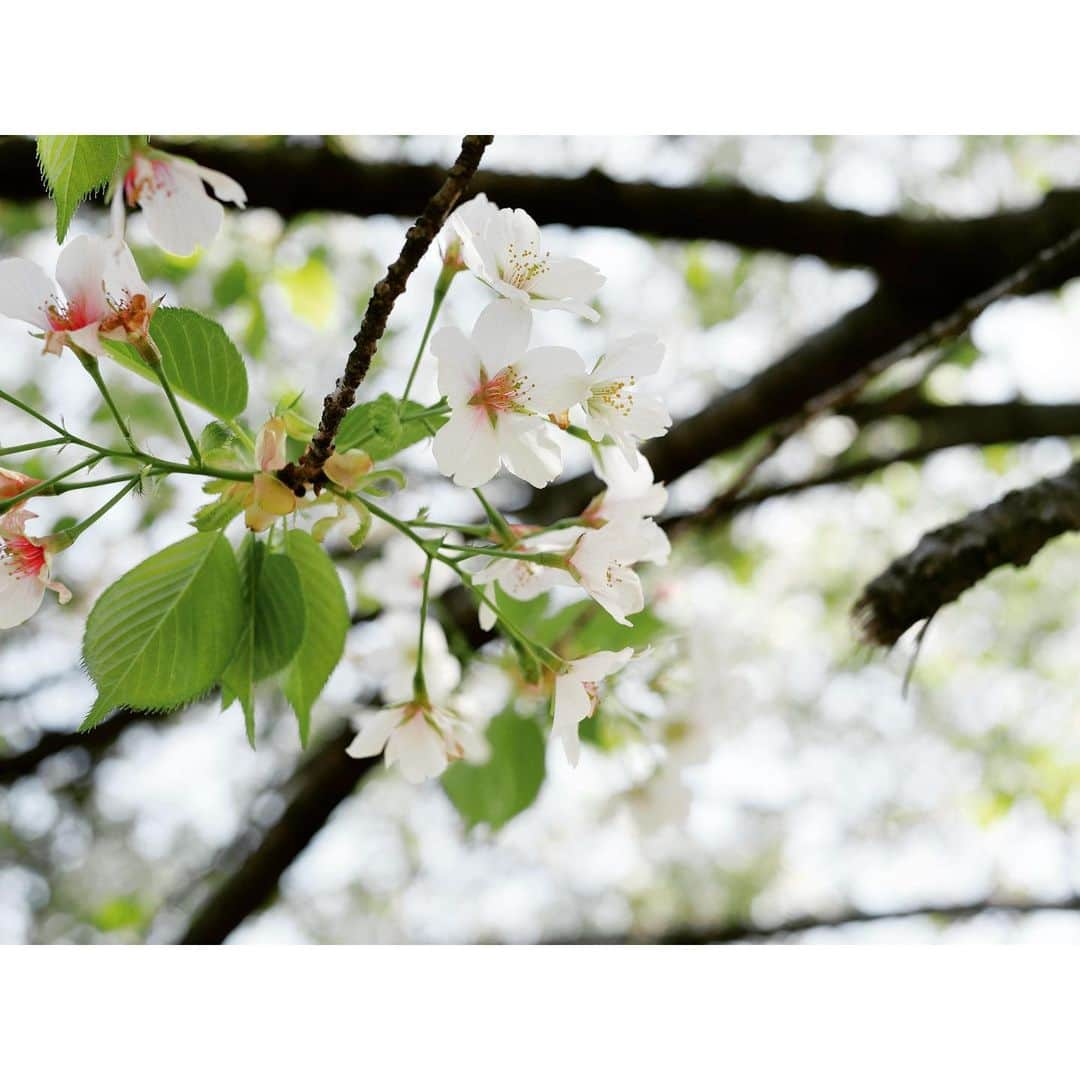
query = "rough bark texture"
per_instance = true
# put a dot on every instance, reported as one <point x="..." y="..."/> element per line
<point x="950" y="560"/>
<point x="308" y="470"/>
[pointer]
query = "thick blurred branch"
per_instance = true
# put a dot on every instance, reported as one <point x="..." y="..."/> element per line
<point x="295" y="179"/>
<point x="940" y="427"/>
<point x="323" y="780"/>
<point x="418" y="239"/>
<point x="949" y="560"/>
<point x="740" y="932"/>
<point x="94" y="742"/>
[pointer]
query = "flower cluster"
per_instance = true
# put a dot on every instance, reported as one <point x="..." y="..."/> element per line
<point x="99" y="296"/>
<point x="509" y="404"/>
<point x="506" y="402"/>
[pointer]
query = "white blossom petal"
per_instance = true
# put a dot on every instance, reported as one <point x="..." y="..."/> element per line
<point x="25" y="292"/>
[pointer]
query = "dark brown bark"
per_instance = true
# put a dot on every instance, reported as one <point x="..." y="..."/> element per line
<point x="321" y="783"/>
<point x="948" y="561"/>
<point x="308" y="470"/>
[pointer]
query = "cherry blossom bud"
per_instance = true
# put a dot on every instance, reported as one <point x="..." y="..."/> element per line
<point x="270" y="445"/>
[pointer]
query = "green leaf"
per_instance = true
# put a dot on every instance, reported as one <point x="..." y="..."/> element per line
<point x="162" y="635"/>
<point x="200" y="361"/>
<point x="326" y="625"/>
<point x="273" y="625"/>
<point x="74" y="166"/>
<point x="214" y="516"/>
<point x="385" y="426"/>
<point x="508" y="782"/>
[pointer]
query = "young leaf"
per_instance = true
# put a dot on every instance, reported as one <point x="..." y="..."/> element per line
<point x="201" y="362"/>
<point x="161" y="635"/>
<point x="385" y="426"/>
<point x="74" y="166"/>
<point x="372" y="425"/>
<point x="508" y="782"/>
<point x="326" y="627"/>
<point x="273" y="625"/>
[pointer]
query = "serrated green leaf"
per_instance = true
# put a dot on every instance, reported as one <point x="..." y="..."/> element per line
<point x="199" y="359"/>
<point x="326" y="626"/>
<point x="273" y="625"/>
<point x="373" y="425"/>
<point x="162" y="635"/>
<point x="74" y="166"/>
<point x="508" y="782"/>
<point x="385" y="426"/>
<point x="214" y="516"/>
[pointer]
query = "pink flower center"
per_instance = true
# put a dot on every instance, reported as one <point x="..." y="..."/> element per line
<point x="73" y="315"/>
<point x="500" y="394"/>
<point x="23" y="557"/>
<point x="145" y="178"/>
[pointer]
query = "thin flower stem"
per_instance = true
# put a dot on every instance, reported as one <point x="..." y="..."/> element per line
<point x="63" y="489"/>
<point x="45" y="485"/>
<point x="498" y="522"/>
<point x="442" y="287"/>
<point x="12" y="400"/>
<point x="93" y="369"/>
<point x="440" y="408"/>
<point x="468" y="530"/>
<point x="23" y="448"/>
<point x="72" y="534"/>
<point x="237" y="429"/>
<point x="193" y="446"/>
<point x="431" y="549"/>
<point x="544" y="558"/>
<point x="419" y="686"/>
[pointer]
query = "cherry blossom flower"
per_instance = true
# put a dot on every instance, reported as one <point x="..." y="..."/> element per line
<point x="520" y="578"/>
<point x="397" y="579"/>
<point x="179" y="213"/>
<point x="504" y="249"/>
<point x="392" y="662"/>
<point x="602" y="563"/>
<point x="614" y="406"/>
<point x="421" y="738"/>
<point x="577" y="695"/>
<point x="499" y="391"/>
<point x="630" y="495"/>
<point x="100" y="295"/>
<point x="25" y="570"/>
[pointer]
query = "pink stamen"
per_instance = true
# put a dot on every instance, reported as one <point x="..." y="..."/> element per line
<point x="23" y="557"/>
<point x="73" y="315"/>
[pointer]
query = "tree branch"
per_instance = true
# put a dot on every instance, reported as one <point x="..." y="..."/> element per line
<point x="418" y="239"/>
<point x="949" y="560"/>
<point x="322" y="781"/>
<point x="941" y="427"/>
<point x="737" y="932"/>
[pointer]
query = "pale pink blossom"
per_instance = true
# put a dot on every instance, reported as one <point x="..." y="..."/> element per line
<point x="180" y="214"/>
<point x="100" y="295"/>
<point x="577" y="693"/>
<point x="500" y="392"/>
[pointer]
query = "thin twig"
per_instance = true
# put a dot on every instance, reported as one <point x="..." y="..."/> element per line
<point x="308" y="470"/>
<point x="948" y="326"/>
